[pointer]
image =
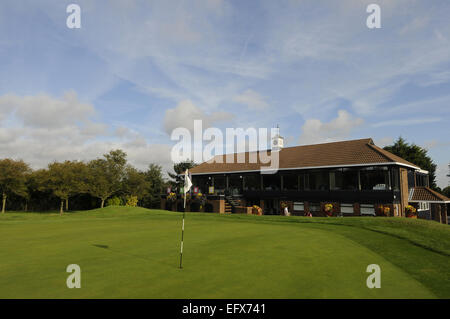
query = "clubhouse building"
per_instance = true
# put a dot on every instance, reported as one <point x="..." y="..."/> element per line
<point x="348" y="178"/>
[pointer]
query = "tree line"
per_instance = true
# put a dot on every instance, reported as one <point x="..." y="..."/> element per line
<point x="83" y="185"/>
<point x="89" y="185"/>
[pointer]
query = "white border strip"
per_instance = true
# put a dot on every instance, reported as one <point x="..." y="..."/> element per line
<point x="429" y="201"/>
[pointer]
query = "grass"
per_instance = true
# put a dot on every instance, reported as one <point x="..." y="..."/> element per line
<point x="134" y="253"/>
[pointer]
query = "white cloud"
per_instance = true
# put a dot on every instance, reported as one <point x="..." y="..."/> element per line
<point x="45" y="111"/>
<point x="252" y="99"/>
<point x="410" y="121"/>
<point x="384" y="141"/>
<point x="184" y="114"/>
<point x="433" y="105"/>
<point x="442" y="180"/>
<point x="316" y="131"/>
<point x="415" y="25"/>
<point x="57" y="129"/>
<point x="431" y="144"/>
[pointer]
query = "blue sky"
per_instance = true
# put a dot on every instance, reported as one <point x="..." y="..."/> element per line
<point x="137" y="69"/>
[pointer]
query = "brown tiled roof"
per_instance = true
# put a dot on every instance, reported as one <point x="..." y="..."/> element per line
<point x="354" y="152"/>
<point x="426" y="194"/>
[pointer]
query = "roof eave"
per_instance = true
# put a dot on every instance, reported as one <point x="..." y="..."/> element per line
<point x="310" y="167"/>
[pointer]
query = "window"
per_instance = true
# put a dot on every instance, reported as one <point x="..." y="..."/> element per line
<point x="318" y="180"/>
<point x="411" y="181"/>
<point x="424" y="206"/>
<point x="252" y="182"/>
<point x="347" y="208"/>
<point x="395" y="178"/>
<point x="299" y="206"/>
<point x="375" y="178"/>
<point x="219" y="183"/>
<point x="302" y="182"/>
<point x="344" y="178"/>
<point x="202" y="182"/>
<point x="290" y="182"/>
<point x="421" y="179"/>
<point x="235" y="184"/>
<point x="271" y="182"/>
<point x="350" y="178"/>
<point x="336" y="179"/>
<point x="314" y="207"/>
<point x="367" y="209"/>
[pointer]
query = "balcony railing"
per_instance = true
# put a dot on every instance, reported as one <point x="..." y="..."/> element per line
<point x="325" y="195"/>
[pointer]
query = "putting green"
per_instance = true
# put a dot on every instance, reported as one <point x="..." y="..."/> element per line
<point x="134" y="253"/>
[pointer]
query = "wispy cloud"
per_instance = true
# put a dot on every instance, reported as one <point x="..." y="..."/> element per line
<point x="303" y="64"/>
<point x="410" y="121"/>
<point x="339" y="128"/>
<point x="252" y="100"/>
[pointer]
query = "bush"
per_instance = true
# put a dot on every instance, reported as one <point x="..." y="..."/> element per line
<point x="132" y="201"/>
<point x="114" y="201"/>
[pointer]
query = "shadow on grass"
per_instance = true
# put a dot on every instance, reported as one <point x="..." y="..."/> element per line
<point x="359" y="226"/>
<point x="133" y="255"/>
<point x="47" y="212"/>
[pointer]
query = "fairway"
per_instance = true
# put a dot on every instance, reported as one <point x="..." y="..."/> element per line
<point x="134" y="253"/>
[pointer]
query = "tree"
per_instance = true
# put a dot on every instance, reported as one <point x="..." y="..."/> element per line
<point x="416" y="155"/>
<point x="37" y="188"/>
<point x="135" y="182"/>
<point x="180" y="168"/>
<point x="13" y="175"/>
<point x="77" y="172"/>
<point x="105" y="176"/>
<point x="65" y="180"/>
<point x="156" y="183"/>
<point x="446" y="191"/>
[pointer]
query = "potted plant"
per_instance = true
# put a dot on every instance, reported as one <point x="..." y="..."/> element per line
<point x="386" y="210"/>
<point x="257" y="210"/>
<point x="283" y="205"/>
<point x="188" y="197"/>
<point x="328" y="208"/>
<point x="201" y="199"/>
<point x="172" y="197"/>
<point x="410" y="211"/>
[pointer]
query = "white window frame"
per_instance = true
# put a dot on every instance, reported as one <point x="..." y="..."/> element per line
<point x="347" y="208"/>
<point x="299" y="206"/>
<point x="367" y="209"/>
<point x="318" y="208"/>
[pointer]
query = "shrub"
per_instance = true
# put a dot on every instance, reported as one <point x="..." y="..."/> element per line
<point x="328" y="209"/>
<point x="386" y="210"/>
<point x="256" y="210"/>
<point x="132" y="201"/>
<point x="200" y="198"/>
<point x="172" y="197"/>
<point x="114" y="201"/>
<point x="410" y="211"/>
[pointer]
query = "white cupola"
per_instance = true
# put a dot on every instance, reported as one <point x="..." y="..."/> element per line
<point x="277" y="141"/>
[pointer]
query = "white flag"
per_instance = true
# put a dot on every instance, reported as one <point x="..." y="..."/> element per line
<point x="187" y="182"/>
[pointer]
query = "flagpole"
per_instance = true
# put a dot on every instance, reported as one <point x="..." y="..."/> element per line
<point x="182" y="236"/>
<point x="184" y="214"/>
